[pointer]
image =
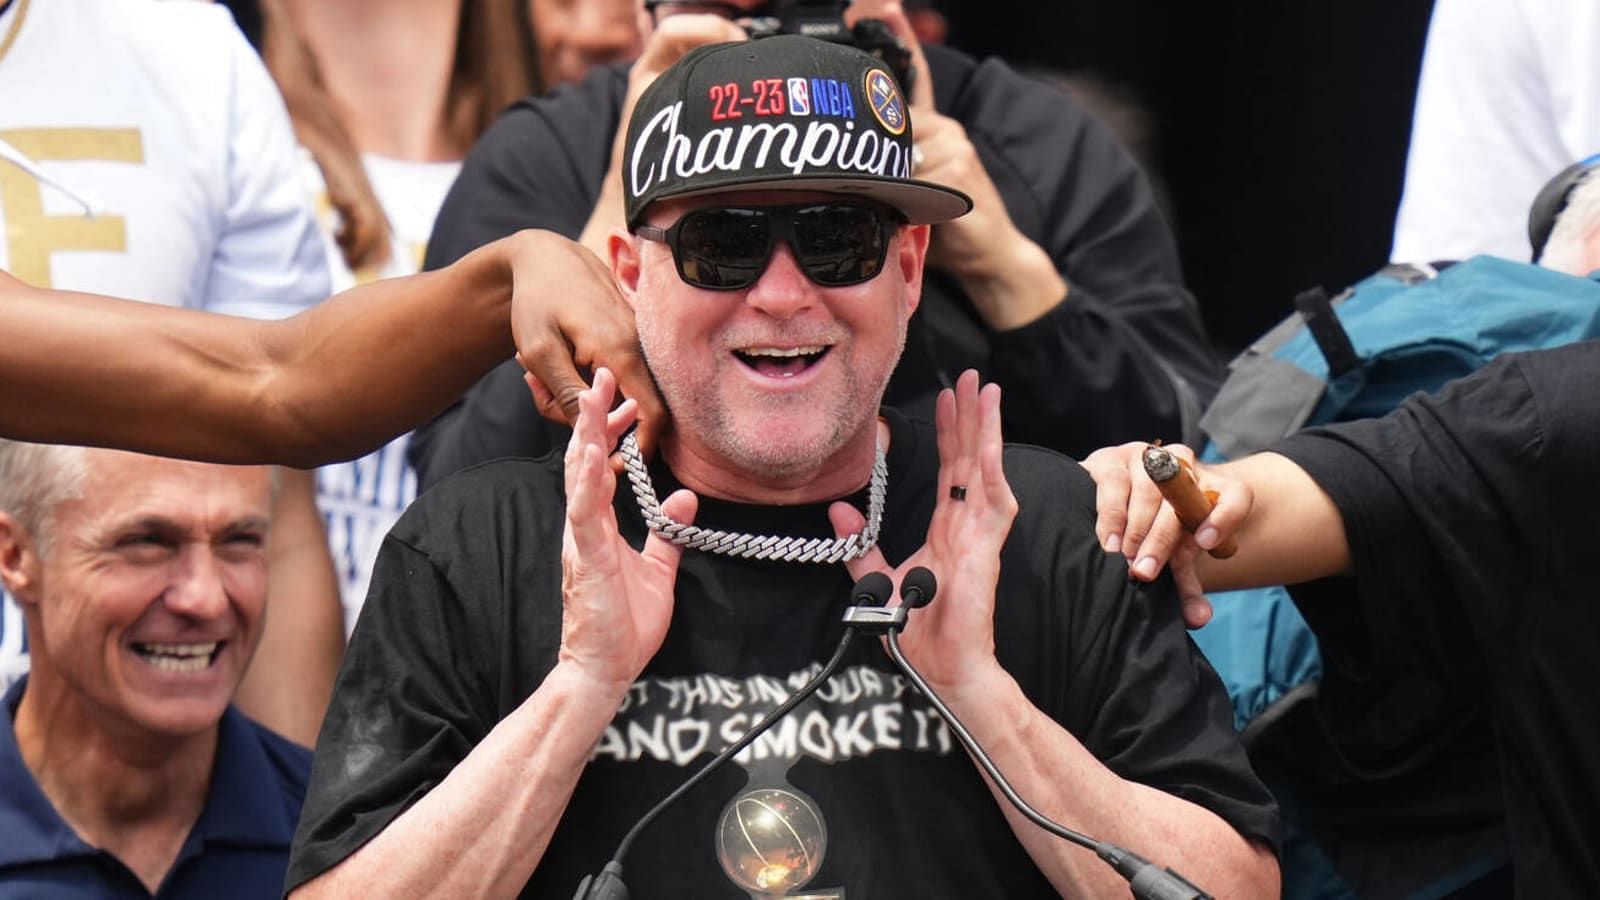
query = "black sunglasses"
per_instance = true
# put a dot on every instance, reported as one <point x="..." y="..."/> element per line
<point x="725" y="248"/>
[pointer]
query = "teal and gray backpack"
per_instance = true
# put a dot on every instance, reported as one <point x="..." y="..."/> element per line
<point x="1402" y="330"/>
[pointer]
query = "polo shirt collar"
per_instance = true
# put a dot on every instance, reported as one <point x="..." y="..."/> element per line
<point x="244" y="806"/>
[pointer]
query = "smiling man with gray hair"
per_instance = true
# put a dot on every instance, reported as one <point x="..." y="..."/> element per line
<point x="128" y="773"/>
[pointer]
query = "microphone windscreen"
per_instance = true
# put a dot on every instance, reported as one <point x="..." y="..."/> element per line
<point x="918" y="587"/>
<point x="874" y="589"/>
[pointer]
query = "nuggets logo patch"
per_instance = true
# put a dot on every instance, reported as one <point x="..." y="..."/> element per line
<point x="883" y="96"/>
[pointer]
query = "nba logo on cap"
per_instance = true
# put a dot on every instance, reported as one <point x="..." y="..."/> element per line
<point x="799" y="98"/>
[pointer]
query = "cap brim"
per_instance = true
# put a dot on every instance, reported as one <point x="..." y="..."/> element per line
<point x="921" y="202"/>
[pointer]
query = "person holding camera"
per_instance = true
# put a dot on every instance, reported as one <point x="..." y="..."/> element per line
<point x="1064" y="286"/>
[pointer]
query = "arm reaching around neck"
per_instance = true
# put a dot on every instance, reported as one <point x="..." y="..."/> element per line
<point x="331" y="383"/>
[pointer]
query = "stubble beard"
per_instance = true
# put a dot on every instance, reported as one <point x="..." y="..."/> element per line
<point x="756" y="440"/>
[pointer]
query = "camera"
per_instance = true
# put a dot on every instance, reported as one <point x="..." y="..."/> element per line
<point x="824" y="19"/>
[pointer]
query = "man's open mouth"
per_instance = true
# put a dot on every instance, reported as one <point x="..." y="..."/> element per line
<point x="781" y="362"/>
<point x="179" y="657"/>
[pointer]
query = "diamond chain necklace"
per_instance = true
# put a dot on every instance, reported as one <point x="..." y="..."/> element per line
<point x="755" y="546"/>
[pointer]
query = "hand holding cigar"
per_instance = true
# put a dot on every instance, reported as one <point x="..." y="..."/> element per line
<point x="1174" y="477"/>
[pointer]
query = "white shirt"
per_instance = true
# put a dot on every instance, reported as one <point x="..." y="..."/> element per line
<point x="1509" y="96"/>
<point x="162" y="116"/>
<point x="361" y="500"/>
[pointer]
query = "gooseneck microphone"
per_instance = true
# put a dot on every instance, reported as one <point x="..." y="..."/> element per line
<point x="1147" y="880"/>
<point x="865" y="615"/>
<point x="918" y="587"/>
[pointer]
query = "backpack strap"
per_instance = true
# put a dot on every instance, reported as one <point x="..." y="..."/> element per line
<point x="1331" y="338"/>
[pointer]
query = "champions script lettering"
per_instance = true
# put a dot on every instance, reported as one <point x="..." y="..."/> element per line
<point x="857" y="712"/>
<point x="661" y="152"/>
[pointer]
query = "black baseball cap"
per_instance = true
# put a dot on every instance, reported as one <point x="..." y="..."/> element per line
<point x="787" y="113"/>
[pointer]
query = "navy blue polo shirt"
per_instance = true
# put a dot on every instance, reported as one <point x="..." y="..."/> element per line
<point x="239" y="847"/>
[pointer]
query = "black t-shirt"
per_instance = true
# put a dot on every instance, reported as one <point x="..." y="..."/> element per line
<point x="1473" y="518"/>
<point x="1124" y="357"/>
<point x="464" y="620"/>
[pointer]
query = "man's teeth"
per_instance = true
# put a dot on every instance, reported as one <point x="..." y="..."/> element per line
<point x="178" y="657"/>
<point x="782" y="353"/>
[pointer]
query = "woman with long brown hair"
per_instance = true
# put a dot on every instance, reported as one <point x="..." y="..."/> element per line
<point x="387" y="97"/>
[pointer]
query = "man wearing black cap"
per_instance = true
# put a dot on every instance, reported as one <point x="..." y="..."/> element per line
<point x="506" y="713"/>
<point x="1063" y="286"/>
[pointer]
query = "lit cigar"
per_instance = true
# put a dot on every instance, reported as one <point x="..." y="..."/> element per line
<point x="1177" y="483"/>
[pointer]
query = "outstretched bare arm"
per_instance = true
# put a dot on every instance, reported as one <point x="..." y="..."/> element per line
<point x="331" y="383"/>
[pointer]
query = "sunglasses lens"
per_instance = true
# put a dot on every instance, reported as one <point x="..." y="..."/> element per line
<point x="837" y="244"/>
<point x="840" y="244"/>
<point x="723" y="249"/>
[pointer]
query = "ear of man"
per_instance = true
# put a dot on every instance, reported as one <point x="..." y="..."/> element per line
<point x="19" y="559"/>
<point x="911" y="252"/>
<point x="623" y="251"/>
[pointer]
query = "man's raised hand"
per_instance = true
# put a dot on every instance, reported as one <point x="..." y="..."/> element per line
<point x="951" y="642"/>
<point x="616" y="601"/>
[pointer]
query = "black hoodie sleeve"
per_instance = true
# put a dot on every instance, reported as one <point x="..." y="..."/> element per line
<point x="1125" y="355"/>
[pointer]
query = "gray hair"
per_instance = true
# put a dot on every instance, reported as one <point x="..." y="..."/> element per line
<point x="1568" y="248"/>
<point x="34" y="479"/>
